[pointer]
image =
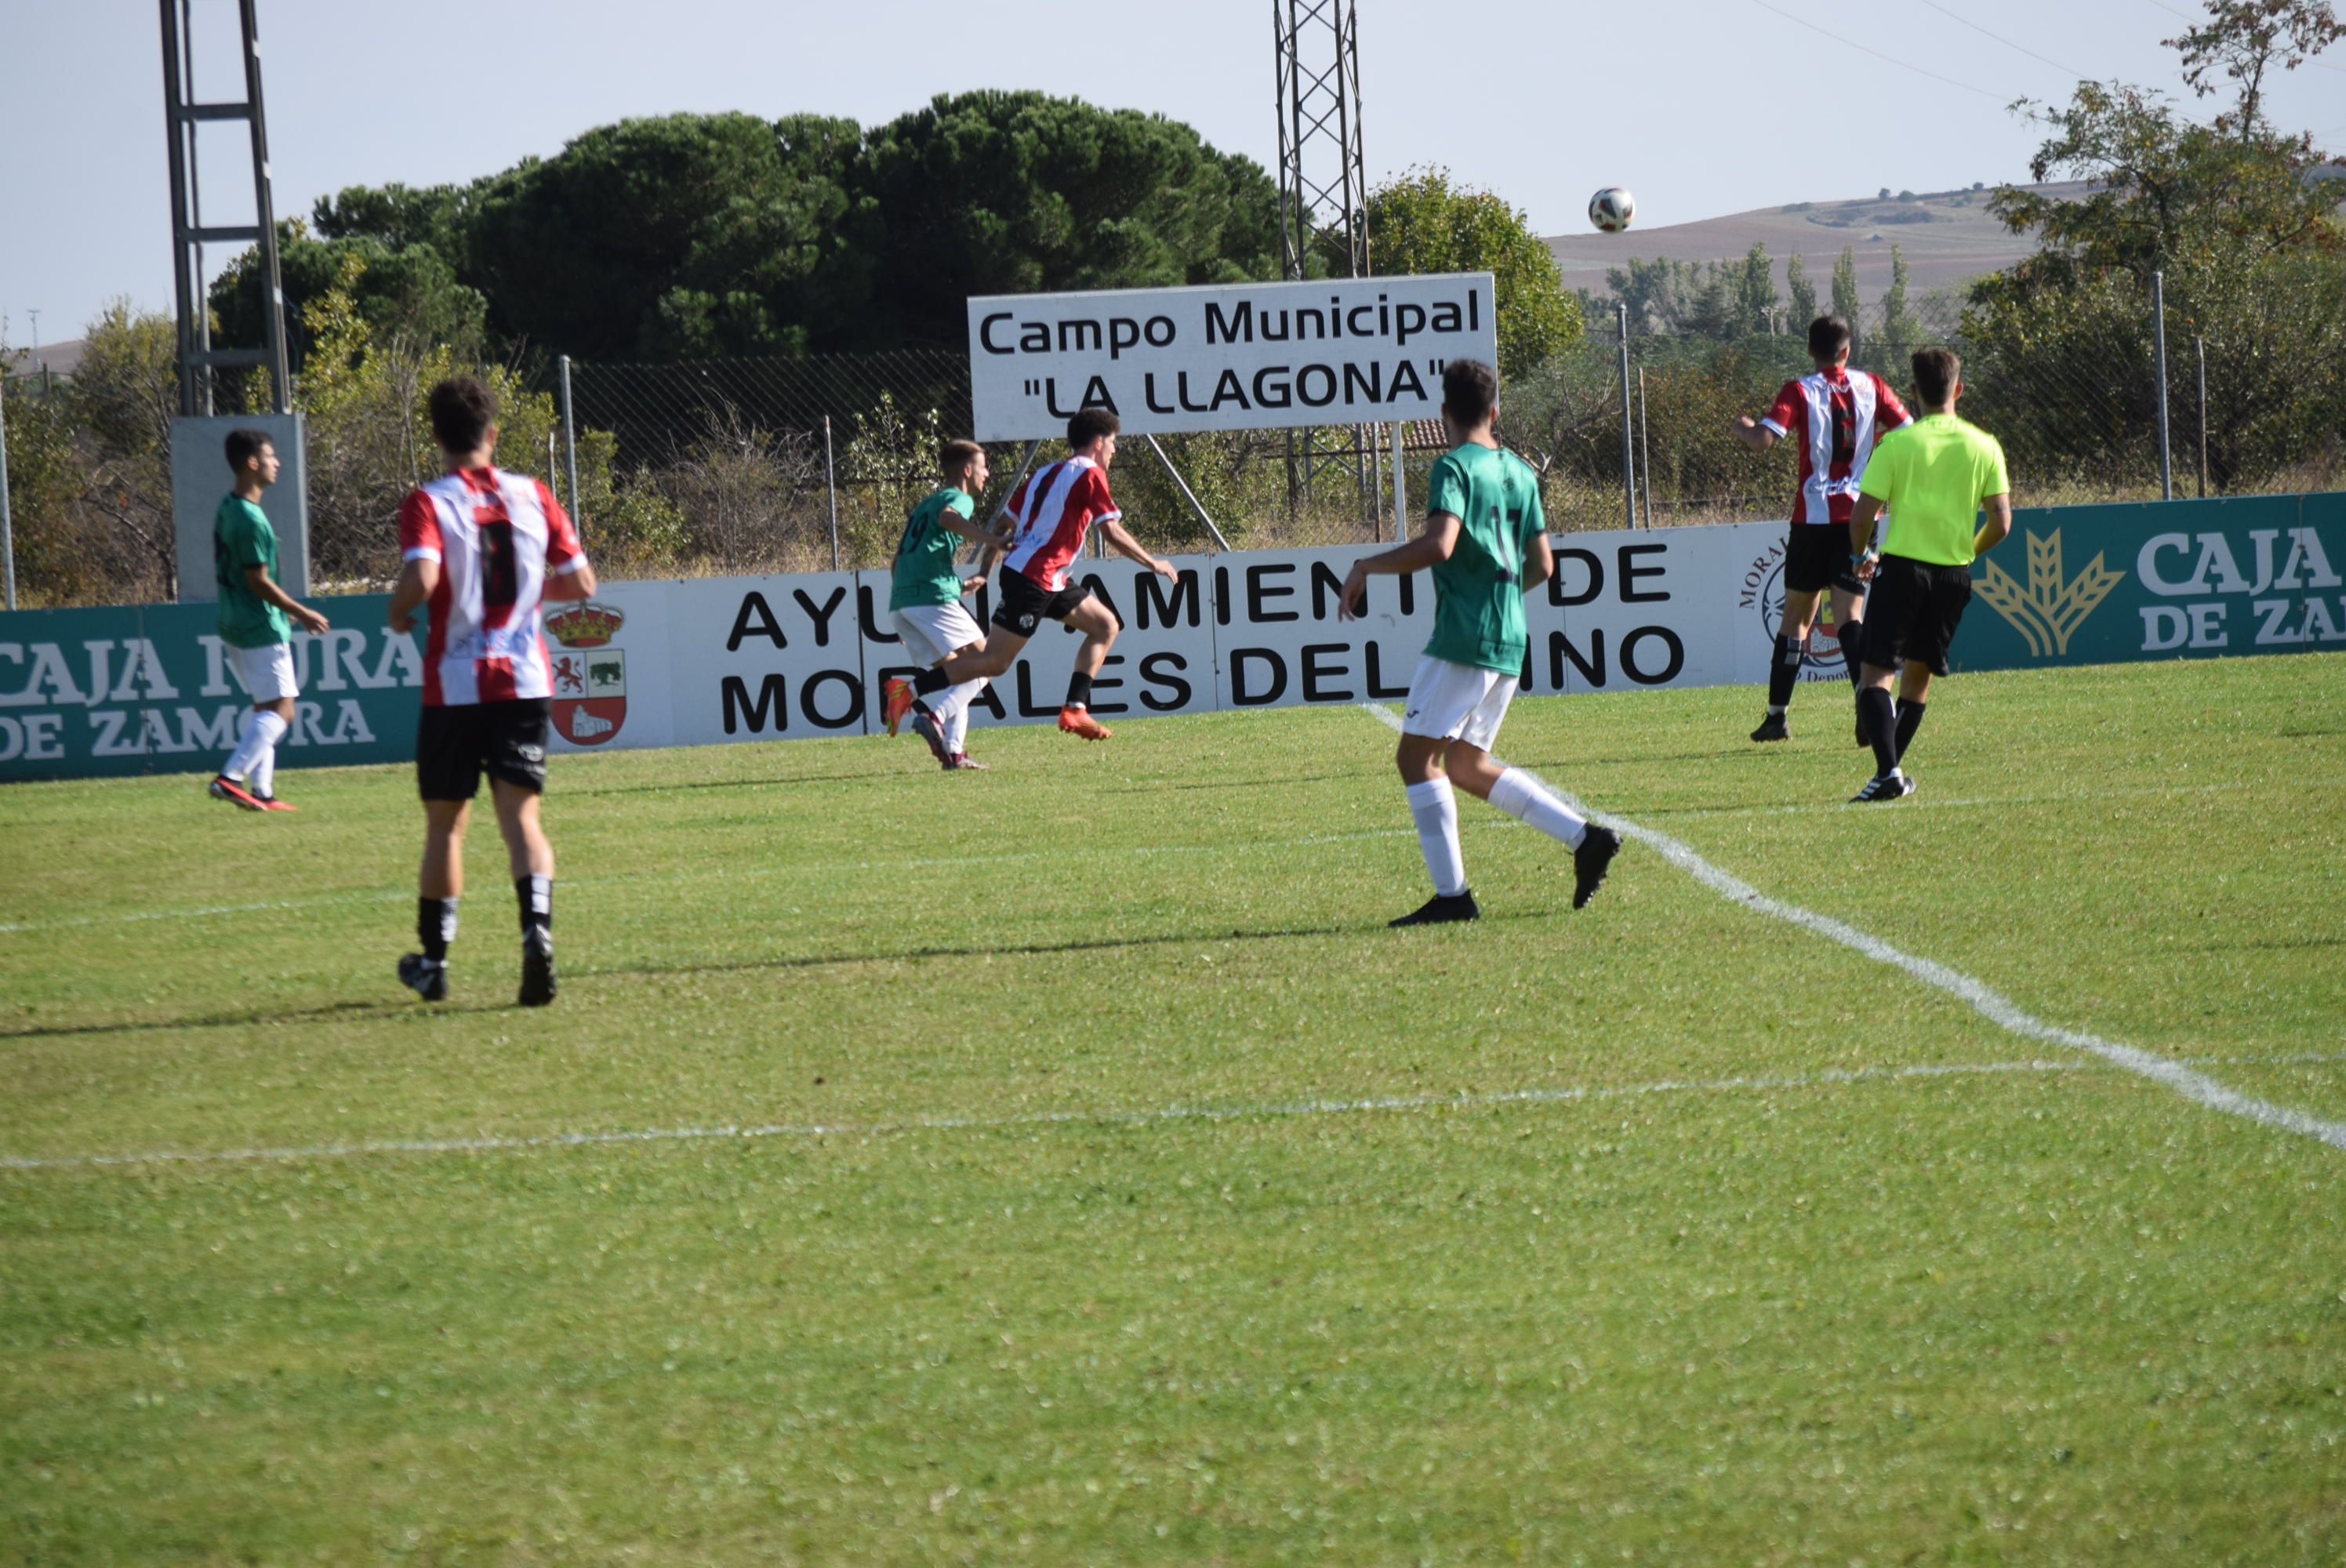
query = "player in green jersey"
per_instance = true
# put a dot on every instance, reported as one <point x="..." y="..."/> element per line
<point x="256" y="617"/>
<point x="1485" y="541"/>
<point x="924" y="600"/>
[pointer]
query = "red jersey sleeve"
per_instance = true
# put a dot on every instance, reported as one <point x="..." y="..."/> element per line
<point x="1098" y="502"/>
<point x="1888" y="413"/>
<point x="563" y="550"/>
<point x="419" y="528"/>
<point x="1790" y="408"/>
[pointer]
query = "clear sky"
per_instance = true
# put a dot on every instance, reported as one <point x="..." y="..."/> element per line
<point x="1701" y="107"/>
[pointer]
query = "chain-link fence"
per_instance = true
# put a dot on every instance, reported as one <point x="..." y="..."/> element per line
<point x="782" y="464"/>
<point x="752" y="462"/>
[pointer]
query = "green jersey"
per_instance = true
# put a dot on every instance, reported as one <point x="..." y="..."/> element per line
<point x="925" y="573"/>
<point x="242" y="538"/>
<point x="1478" y="593"/>
<point x="1932" y="475"/>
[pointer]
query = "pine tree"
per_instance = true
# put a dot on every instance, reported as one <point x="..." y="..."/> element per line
<point x="1844" y="292"/>
<point x="1804" y="293"/>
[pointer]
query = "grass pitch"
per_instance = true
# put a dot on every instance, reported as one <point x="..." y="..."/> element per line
<point x="1797" y="1260"/>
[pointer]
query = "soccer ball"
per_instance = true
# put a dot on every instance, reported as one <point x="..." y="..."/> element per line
<point x="1612" y="208"/>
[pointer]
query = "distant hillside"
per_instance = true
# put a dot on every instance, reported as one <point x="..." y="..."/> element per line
<point x="1947" y="235"/>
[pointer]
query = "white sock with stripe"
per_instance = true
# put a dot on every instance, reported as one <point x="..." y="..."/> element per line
<point x="1519" y="796"/>
<point x="1436" y="810"/>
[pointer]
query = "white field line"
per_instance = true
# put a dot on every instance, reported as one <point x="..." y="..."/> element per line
<point x="829" y="868"/>
<point x="1830" y="1077"/>
<point x="1991" y="1004"/>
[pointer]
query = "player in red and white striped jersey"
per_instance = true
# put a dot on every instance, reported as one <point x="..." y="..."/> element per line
<point x="1836" y="415"/>
<point x="480" y="548"/>
<point x="1056" y="508"/>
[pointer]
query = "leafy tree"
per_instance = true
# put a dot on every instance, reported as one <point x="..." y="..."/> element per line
<point x="2245" y="40"/>
<point x="1422" y="223"/>
<point x="399" y="289"/>
<point x="123" y="395"/>
<point x="1011" y="192"/>
<point x="2246" y="236"/>
<point x="1803" y="292"/>
<point x="685" y="234"/>
<point x="2164" y="192"/>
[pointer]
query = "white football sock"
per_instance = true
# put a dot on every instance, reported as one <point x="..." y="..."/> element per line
<point x="1519" y="796"/>
<point x="1436" y="810"/>
<point x="262" y="779"/>
<point x="260" y="732"/>
<point x="956" y="712"/>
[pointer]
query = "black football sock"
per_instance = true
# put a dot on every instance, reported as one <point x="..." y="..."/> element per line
<point x="930" y="682"/>
<point x="435" y="927"/>
<point x="1910" y="719"/>
<point x="1079" y="691"/>
<point x="1847" y="637"/>
<point x="1873" y="711"/>
<point x="536" y="896"/>
<point x="1785" y="672"/>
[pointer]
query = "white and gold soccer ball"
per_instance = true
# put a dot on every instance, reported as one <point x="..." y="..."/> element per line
<point x="1612" y="208"/>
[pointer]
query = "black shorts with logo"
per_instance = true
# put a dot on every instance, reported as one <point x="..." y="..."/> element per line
<point x="1816" y="558"/>
<point x="453" y="745"/>
<point x="1025" y="606"/>
<point x="1912" y="613"/>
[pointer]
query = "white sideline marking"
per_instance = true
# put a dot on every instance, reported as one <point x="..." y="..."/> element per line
<point x="1830" y="1077"/>
<point x="1991" y="1004"/>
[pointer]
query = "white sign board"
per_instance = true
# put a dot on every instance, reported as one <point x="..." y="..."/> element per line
<point x="715" y="659"/>
<point x="1238" y="356"/>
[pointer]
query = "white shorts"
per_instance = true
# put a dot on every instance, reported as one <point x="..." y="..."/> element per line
<point x="1457" y="702"/>
<point x="932" y="632"/>
<point x="267" y="672"/>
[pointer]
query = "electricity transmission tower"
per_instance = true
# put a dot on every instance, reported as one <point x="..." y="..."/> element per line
<point x="197" y="358"/>
<point x="1323" y="210"/>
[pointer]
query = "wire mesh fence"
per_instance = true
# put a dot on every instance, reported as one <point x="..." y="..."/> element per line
<point x="746" y="464"/>
<point x="787" y="465"/>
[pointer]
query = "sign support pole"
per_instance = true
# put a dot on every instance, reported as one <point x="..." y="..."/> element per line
<point x="2158" y="336"/>
<point x="1628" y="443"/>
<point x="1182" y="485"/>
<point x="1400" y="489"/>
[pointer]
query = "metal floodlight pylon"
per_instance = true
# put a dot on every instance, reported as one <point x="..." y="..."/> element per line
<point x="189" y="234"/>
<point x="1323" y="204"/>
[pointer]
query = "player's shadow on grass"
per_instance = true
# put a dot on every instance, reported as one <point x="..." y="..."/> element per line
<point x="1031" y="949"/>
<point x="333" y="1012"/>
<point x="657" y="785"/>
<point x="347" y="1012"/>
<point x="1281" y="781"/>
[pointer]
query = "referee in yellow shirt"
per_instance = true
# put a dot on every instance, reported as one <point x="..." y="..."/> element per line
<point x="1933" y="476"/>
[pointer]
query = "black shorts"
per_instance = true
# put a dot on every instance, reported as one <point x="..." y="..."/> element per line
<point x="454" y="745"/>
<point x="1025" y="606"/>
<point x="1816" y="558"/>
<point x="1912" y="613"/>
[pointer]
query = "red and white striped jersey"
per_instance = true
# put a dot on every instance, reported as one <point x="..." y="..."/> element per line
<point x="1056" y="507"/>
<point x="497" y="537"/>
<point x="1836" y="417"/>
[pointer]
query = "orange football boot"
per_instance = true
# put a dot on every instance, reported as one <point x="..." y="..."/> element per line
<point x="895" y="701"/>
<point x="1079" y="721"/>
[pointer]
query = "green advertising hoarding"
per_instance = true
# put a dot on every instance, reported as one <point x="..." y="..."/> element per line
<point x="88" y="693"/>
<point x="2147" y="580"/>
<point x="147" y="690"/>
